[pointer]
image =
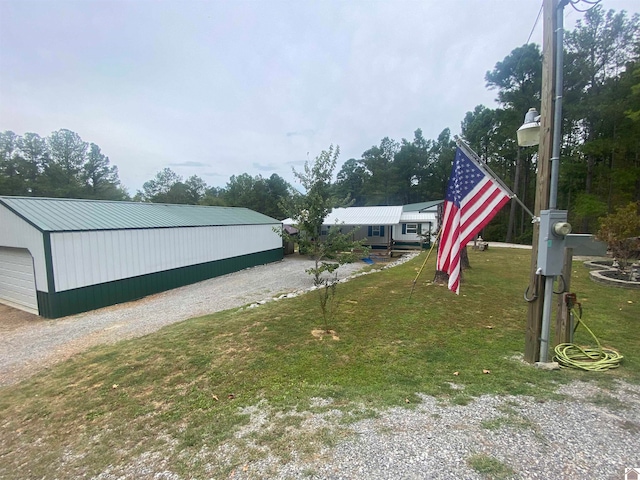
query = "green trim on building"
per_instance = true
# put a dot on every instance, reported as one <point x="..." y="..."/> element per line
<point x="417" y="207"/>
<point x="48" y="262"/>
<point x="69" y="302"/>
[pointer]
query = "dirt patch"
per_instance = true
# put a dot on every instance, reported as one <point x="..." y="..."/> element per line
<point x="12" y="319"/>
<point x="320" y="334"/>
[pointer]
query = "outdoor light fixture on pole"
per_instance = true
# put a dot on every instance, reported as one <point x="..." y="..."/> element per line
<point x="548" y="247"/>
<point x="529" y="132"/>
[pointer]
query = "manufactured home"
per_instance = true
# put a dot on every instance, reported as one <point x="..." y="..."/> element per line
<point x="414" y="224"/>
<point x="64" y="256"/>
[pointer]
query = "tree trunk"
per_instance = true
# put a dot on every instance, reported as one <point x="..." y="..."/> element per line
<point x="464" y="260"/>
<point x="587" y="189"/>
<point x="441" y="277"/>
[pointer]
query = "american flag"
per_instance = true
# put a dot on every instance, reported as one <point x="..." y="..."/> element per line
<point x="473" y="198"/>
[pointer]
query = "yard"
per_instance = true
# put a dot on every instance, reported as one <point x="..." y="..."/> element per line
<point x="251" y="393"/>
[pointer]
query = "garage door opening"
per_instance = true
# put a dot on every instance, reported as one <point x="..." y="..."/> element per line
<point x="17" y="281"/>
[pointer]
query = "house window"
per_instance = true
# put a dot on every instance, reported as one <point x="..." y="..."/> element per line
<point x="324" y="231"/>
<point x="375" y="231"/>
<point x="411" y="228"/>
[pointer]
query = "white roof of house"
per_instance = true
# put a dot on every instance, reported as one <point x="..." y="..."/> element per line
<point x="365" y="216"/>
<point x="390" y="215"/>
<point x="417" y="217"/>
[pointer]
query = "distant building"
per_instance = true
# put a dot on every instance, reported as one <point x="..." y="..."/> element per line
<point x="414" y="224"/>
<point x="64" y="256"/>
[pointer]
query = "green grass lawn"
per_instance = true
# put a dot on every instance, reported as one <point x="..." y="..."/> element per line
<point x="183" y="388"/>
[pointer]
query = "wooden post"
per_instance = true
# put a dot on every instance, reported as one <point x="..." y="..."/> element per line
<point x="563" y="331"/>
<point x="536" y="282"/>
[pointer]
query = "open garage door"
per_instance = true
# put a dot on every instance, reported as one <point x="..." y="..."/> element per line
<point x="17" y="282"/>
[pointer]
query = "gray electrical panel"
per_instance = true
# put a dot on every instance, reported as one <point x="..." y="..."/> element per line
<point x="551" y="244"/>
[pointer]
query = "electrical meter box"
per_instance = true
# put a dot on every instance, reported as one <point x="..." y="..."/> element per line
<point x="551" y="242"/>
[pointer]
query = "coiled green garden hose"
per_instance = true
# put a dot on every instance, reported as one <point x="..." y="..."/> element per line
<point x="587" y="358"/>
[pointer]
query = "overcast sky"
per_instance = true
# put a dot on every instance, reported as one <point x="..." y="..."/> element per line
<point x="217" y="88"/>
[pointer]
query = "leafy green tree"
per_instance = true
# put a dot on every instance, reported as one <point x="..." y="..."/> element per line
<point x="621" y="231"/>
<point x="309" y="209"/>
<point x="61" y="165"/>
<point x="279" y="192"/>
<point x="100" y="179"/>
<point x="35" y="159"/>
<point x="213" y="196"/>
<point x="407" y="165"/>
<point x="257" y="193"/>
<point x="68" y="154"/>
<point x="196" y="188"/>
<point x="597" y="95"/>
<point x="11" y="182"/>
<point x="518" y="81"/>
<point x="436" y="171"/>
<point x="350" y="182"/>
<point x="157" y="190"/>
<point x="378" y="163"/>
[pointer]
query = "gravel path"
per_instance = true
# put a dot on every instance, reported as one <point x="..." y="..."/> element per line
<point x="29" y="346"/>
<point x="593" y="434"/>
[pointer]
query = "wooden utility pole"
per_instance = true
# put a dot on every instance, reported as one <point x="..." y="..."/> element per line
<point x="536" y="282"/>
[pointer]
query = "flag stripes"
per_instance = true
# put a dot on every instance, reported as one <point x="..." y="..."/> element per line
<point x="472" y="200"/>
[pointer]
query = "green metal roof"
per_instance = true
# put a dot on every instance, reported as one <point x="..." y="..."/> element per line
<point x="63" y="214"/>
<point x="415" y="207"/>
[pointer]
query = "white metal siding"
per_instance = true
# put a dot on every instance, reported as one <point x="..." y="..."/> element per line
<point x="17" y="233"/>
<point x="17" y="282"/>
<point x="89" y="258"/>
<point x="423" y="218"/>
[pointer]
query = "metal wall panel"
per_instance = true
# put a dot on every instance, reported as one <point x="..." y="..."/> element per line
<point x="16" y="232"/>
<point x="93" y="257"/>
<point x="68" y="302"/>
<point x="424" y="218"/>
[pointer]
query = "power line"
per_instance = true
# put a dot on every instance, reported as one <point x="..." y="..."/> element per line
<point x="535" y="24"/>
<point x="591" y="3"/>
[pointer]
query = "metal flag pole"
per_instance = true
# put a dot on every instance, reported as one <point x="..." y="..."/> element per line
<point x="475" y="158"/>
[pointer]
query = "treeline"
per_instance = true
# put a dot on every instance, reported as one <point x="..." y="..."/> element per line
<point x="599" y="167"/>
<point x="264" y="195"/>
<point x="600" y="155"/>
<point x="60" y="165"/>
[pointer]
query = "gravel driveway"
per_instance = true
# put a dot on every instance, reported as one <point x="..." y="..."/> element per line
<point x="30" y="343"/>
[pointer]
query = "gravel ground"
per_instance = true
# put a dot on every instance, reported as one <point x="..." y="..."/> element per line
<point x="32" y="343"/>
<point x="592" y="434"/>
<point x="554" y="439"/>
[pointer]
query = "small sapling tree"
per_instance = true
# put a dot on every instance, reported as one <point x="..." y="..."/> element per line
<point x="328" y="249"/>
